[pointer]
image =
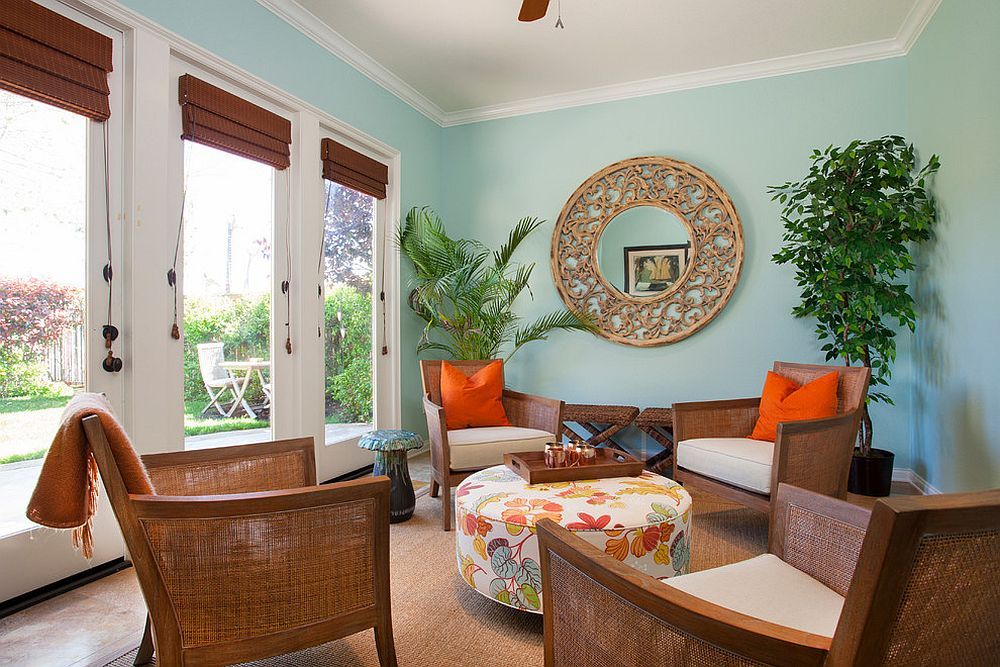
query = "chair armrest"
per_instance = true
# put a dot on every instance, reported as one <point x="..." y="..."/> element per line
<point x="715" y="419"/>
<point x="588" y="590"/>
<point x="818" y="535"/>
<point x="528" y="411"/>
<point x="275" y="565"/>
<point x="437" y="432"/>
<point x="815" y="454"/>
<point x="266" y="466"/>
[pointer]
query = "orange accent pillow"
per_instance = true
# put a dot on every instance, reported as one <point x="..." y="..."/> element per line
<point x="473" y="401"/>
<point x="784" y="400"/>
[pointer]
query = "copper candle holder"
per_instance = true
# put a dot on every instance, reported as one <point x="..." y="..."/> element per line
<point x="555" y="455"/>
<point x="573" y="454"/>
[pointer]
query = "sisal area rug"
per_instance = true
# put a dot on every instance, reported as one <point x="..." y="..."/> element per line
<point x="438" y="621"/>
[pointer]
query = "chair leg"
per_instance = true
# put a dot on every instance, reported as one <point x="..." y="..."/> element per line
<point x="213" y="402"/>
<point x="435" y="488"/>
<point x="385" y="646"/>
<point x="446" y="504"/>
<point x="145" y="653"/>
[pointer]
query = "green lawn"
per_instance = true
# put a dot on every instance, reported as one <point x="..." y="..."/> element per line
<point x="27" y="425"/>
<point x="32" y="403"/>
<point x="195" y="425"/>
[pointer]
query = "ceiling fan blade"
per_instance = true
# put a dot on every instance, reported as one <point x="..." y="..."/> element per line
<point x="532" y="10"/>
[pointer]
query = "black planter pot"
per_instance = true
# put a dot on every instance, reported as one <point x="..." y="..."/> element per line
<point x="871" y="475"/>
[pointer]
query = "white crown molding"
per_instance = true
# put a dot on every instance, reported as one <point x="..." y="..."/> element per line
<point x="915" y="22"/>
<point x="760" y="69"/>
<point x="311" y="26"/>
<point x="315" y="29"/>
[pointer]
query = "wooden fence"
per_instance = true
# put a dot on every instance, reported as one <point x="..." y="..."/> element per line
<point x="65" y="358"/>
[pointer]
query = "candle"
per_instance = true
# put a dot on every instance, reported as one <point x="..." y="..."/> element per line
<point x="555" y="455"/>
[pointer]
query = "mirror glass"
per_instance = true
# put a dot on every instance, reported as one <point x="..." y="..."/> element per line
<point x="644" y="250"/>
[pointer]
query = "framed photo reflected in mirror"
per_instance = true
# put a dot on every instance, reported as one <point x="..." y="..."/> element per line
<point x="652" y="269"/>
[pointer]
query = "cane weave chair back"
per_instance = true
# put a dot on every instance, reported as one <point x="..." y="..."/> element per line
<point x="430" y="374"/>
<point x="924" y="589"/>
<point x="927" y="587"/>
<point x="231" y="576"/>
<point x="852" y="385"/>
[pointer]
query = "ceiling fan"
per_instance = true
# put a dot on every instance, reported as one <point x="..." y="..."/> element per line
<point x="532" y="10"/>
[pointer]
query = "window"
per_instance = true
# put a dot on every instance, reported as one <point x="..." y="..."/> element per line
<point x="348" y="234"/>
<point x="43" y="263"/>
<point x="227" y="277"/>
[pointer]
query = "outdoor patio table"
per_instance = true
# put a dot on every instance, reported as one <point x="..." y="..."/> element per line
<point x="249" y="368"/>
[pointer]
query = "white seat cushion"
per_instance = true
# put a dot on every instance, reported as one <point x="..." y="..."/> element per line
<point x="741" y="462"/>
<point x="475" y="448"/>
<point x="770" y="589"/>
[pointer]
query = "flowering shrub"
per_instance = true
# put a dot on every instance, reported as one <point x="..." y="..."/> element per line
<point x="33" y="314"/>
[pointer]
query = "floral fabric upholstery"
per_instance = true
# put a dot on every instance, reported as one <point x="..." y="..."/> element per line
<point x="642" y="521"/>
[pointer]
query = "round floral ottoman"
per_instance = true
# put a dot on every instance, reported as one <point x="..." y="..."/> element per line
<point x="642" y="521"/>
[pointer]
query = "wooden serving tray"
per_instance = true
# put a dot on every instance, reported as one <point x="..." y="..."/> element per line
<point x="531" y="466"/>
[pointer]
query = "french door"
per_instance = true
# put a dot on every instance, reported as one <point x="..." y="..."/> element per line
<point x="54" y="302"/>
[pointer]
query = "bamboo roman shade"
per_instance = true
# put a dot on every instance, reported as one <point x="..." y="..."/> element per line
<point x="217" y="118"/>
<point x="50" y="58"/>
<point x="348" y="167"/>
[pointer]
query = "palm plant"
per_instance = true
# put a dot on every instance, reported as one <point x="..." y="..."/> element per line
<point x="465" y="292"/>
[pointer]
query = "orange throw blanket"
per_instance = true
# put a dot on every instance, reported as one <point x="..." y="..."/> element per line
<point x="66" y="493"/>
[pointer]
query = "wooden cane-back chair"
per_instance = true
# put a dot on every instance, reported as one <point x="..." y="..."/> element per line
<point x="814" y="454"/>
<point x="240" y="556"/>
<point x="920" y="586"/>
<point x="534" y="421"/>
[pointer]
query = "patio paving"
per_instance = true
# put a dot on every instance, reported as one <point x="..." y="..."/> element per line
<point x="334" y="433"/>
<point x="17" y="481"/>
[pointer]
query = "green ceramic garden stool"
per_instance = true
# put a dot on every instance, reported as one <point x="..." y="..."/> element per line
<point x="390" y="447"/>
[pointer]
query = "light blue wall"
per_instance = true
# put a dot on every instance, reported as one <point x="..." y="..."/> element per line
<point x="944" y="96"/>
<point x="954" y="110"/>
<point x="747" y="135"/>
<point x="251" y="37"/>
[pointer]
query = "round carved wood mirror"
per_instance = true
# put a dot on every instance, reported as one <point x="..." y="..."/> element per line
<point x="650" y="247"/>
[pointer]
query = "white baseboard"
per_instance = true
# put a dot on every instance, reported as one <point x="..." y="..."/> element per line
<point x="908" y="475"/>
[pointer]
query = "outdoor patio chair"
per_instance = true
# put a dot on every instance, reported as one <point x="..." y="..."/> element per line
<point x="216" y="379"/>
<point x="917" y="584"/>
<point x="241" y="556"/>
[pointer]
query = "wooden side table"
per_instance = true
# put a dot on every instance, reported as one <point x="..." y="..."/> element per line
<point x="600" y="421"/>
<point x="658" y="424"/>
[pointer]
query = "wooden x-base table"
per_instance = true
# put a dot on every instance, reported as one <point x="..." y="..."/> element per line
<point x="658" y="424"/>
<point x="600" y="421"/>
<point x="604" y="421"/>
<point x="249" y="368"/>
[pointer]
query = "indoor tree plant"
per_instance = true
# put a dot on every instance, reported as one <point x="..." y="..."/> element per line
<point x="850" y="227"/>
<point x="465" y="292"/>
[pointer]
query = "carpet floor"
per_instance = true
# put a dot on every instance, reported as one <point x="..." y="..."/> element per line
<point x="439" y="621"/>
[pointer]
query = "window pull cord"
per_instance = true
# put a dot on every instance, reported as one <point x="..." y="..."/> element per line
<point x="175" y="331"/>
<point x="381" y="293"/>
<point x="111" y="364"/>
<point x="285" y="284"/>
<point x="319" y="265"/>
